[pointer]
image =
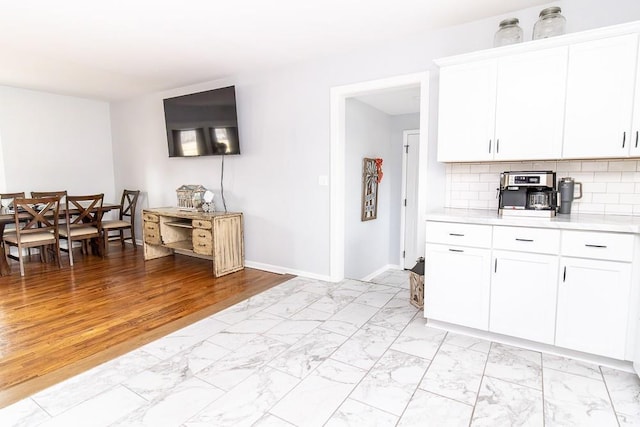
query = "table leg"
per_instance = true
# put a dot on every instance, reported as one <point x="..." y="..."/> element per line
<point x="4" y="265"/>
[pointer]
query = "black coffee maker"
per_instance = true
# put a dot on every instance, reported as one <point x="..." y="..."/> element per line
<point x="528" y="193"/>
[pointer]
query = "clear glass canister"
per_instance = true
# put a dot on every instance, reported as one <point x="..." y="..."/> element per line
<point x="508" y="33"/>
<point x="550" y="23"/>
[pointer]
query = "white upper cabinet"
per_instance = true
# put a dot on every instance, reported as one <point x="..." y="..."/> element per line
<point x="635" y="123"/>
<point x="503" y="109"/>
<point x="467" y="112"/>
<point x="575" y="96"/>
<point x="600" y="96"/>
<point x="530" y="105"/>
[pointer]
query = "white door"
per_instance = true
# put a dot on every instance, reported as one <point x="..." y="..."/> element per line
<point x="530" y="105"/>
<point x="593" y="298"/>
<point x="466" y="112"/>
<point x="600" y="86"/>
<point x="409" y="215"/>
<point x="457" y="285"/>
<point x="523" y="295"/>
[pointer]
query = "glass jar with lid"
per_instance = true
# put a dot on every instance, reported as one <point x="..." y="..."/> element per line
<point x="550" y="23"/>
<point x="508" y="33"/>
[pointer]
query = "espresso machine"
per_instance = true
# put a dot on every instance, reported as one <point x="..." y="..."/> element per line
<point x="528" y="193"/>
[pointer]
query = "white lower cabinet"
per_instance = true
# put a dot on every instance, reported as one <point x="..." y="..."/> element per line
<point x="457" y="285"/>
<point x="575" y="289"/>
<point x="593" y="301"/>
<point x="523" y="295"/>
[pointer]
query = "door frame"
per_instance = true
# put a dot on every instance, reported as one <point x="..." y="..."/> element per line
<point x="339" y="94"/>
<point x="403" y="207"/>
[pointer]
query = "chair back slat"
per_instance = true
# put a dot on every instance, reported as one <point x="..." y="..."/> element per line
<point x="35" y="215"/>
<point x="129" y="201"/>
<point x="10" y="197"/>
<point x="62" y="195"/>
<point x="89" y="210"/>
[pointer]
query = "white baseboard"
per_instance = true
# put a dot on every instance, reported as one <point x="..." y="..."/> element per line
<point x="285" y="270"/>
<point x="379" y="271"/>
<point x="532" y="345"/>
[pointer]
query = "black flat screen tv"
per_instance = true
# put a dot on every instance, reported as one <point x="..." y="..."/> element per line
<point x="202" y="124"/>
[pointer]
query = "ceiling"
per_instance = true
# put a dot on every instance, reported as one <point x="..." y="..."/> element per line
<point x="394" y="101"/>
<point x="121" y="48"/>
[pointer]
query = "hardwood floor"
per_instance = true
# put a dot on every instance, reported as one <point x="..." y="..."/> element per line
<point x="55" y="323"/>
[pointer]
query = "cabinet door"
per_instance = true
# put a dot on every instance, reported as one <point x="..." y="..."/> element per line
<point x="593" y="298"/>
<point x="600" y="86"/>
<point x="457" y="285"/>
<point x="635" y="130"/>
<point x="523" y="295"/>
<point x="530" y="105"/>
<point x="466" y="114"/>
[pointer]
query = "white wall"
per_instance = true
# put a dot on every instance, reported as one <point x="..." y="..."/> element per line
<point x="284" y="120"/>
<point x="52" y="142"/>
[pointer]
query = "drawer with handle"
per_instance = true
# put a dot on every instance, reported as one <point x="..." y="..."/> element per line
<point x="527" y="239"/>
<point x="146" y="216"/>
<point x="151" y="233"/>
<point x="202" y="241"/>
<point x="598" y="245"/>
<point x="198" y="223"/>
<point x="451" y="233"/>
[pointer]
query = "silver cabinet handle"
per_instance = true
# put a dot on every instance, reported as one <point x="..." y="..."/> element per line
<point x="456" y="234"/>
<point x="489" y="146"/>
<point x="497" y="145"/>
<point x="595" y="246"/>
<point x="636" y="139"/>
<point x="564" y="275"/>
<point x="456" y="250"/>
<point x="624" y="138"/>
<point x="524" y="240"/>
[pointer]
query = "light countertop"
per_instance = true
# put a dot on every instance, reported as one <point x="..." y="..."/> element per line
<point x="588" y="222"/>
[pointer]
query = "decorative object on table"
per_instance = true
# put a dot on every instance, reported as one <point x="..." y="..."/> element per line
<point x="508" y="33"/>
<point x="371" y="177"/>
<point x="566" y="188"/>
<point x="416" y="284"/>
<point x="190" y="196"/>
<point x="550" y="23"/>
<point x="207" y="204"/>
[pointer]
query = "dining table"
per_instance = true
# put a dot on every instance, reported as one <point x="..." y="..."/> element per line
<point x="7" y="216"/>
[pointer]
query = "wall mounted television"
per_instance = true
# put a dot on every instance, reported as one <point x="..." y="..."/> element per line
<point x="202" y="124"/>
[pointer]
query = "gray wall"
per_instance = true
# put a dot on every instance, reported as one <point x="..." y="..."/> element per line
<point x="284" y="120"/>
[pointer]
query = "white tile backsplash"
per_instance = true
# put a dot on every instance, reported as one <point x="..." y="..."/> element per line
<point x="608" y="186"/>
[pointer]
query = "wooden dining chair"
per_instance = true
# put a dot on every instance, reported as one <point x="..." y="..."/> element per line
<point x="6" y="199"/>
<point x="62" y="195"/>
<point x="83" y="216"/>
<point x="36" y="225"/>
<point x="126" y="220"/>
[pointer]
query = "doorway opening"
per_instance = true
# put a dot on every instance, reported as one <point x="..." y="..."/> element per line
<point x="342" y="179"/>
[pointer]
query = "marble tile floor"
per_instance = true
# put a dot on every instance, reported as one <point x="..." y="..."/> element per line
<point x="311" y="353"/>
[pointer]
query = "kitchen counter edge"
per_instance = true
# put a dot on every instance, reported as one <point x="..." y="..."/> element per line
<point x="584" y="222"/>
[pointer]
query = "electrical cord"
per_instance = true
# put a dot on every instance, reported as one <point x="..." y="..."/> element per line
<point x="224" y="203"/>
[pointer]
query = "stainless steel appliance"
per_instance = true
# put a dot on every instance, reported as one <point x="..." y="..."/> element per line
<point x="566" y="189"/>
<point x="528" y="193"/>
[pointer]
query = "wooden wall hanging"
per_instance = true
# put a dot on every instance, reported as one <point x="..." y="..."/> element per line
<point x="371" y="175"/>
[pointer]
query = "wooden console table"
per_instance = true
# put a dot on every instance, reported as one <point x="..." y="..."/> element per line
<point x="212" y="235"/>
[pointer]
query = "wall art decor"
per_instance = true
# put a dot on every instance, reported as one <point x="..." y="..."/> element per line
<point x="371" y="177"/>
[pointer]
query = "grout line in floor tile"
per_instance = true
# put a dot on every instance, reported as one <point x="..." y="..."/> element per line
<point x="606" y="386"/>
<point x="484" y="371"/>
